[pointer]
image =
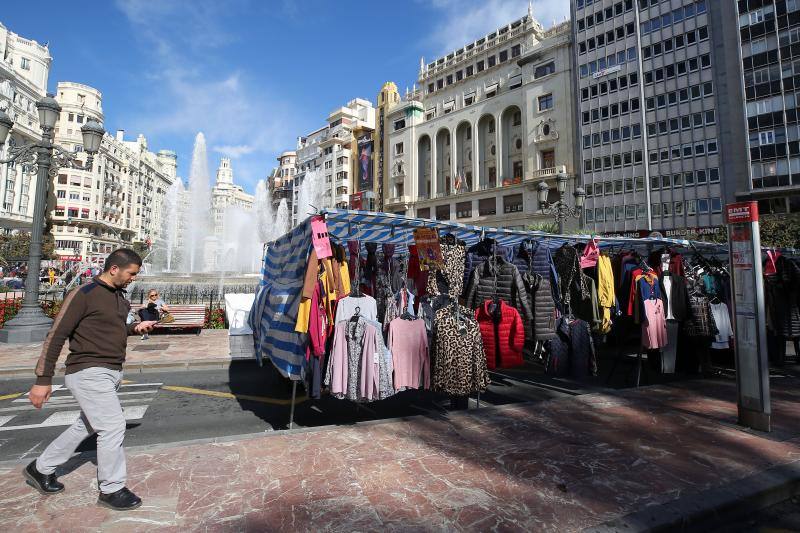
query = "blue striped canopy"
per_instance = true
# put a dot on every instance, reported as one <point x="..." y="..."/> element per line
<point x="274" y="312"/>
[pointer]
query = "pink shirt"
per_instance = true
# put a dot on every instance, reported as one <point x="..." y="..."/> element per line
<point x="408" y="342"/>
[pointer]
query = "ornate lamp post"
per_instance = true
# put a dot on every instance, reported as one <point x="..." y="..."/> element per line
<point x="31" y="324"/>
<point x="560" y="210"/>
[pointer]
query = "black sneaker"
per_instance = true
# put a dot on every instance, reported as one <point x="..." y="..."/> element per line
<point x="46" y="484"/>
<point x="122" y="500"/>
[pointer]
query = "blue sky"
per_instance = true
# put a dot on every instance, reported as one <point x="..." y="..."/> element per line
<point x="251" y="74"/>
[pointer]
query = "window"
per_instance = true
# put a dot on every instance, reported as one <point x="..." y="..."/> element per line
<point x="399" y="124"/>
<point x="512" y="204"/>
<point x="463" y="209"/>
<point x="515" y="50"/>
<point x="443" y="212"/>
<point x="702" y="206"/>
<point x="492" y="61"/>
<point x="398" y="149"/>
<point x="487" y="206"/>
<point x="544" y="70"/>
<point x="545" y="102"/>
<point x="503" y="56"/>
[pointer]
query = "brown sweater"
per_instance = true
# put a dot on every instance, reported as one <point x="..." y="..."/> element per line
<point x="93" y="318"/>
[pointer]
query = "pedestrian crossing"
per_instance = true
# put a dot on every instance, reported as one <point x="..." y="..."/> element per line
<point x="63" y="410"/>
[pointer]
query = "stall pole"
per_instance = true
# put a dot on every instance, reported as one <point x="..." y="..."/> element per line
<point x="750" y="347"/>
<point x="291" y="409"/>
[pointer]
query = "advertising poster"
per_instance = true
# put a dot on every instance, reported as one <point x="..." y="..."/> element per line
<point x="365" y="178"/>
<point x="430" y="253"/>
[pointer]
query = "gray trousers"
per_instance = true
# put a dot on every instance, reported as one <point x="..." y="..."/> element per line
<point x="95" y="389"/>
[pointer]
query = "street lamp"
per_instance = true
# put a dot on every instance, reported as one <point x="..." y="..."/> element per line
<point x="560" y="210"/>
<point x="31" y="324"/>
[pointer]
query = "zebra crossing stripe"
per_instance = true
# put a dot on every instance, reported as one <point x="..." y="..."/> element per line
<point x="67" y="418"/>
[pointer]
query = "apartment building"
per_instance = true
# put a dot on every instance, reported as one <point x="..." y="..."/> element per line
<point x="24" y="70"/>
<point x="769" y="33"/>
<point x="658" y="100"/>
<point x="487" y="123"/>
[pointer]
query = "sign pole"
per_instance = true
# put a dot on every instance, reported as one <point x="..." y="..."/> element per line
<point x="752" y="366"/>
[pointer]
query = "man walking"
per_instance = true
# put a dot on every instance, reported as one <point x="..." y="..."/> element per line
<point x="93" y="318"/>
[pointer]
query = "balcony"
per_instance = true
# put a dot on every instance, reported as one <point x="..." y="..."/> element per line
<point x="547" y="172"/>
<point x="398" y="200"/>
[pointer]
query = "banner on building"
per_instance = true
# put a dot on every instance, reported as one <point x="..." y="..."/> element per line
<point x="365" y="178"/>
<point x="357" y="201"/>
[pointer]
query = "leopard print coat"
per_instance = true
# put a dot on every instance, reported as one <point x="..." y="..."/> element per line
<point x="459" y="366"/>
<point x="452" y="274"/>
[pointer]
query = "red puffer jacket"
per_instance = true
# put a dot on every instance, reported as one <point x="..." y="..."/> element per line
<point x="503" y="340"/>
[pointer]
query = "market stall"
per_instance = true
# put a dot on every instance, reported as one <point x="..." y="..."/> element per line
<point x="396" y="302"/>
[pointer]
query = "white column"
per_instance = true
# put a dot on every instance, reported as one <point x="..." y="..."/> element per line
<point x="475" y="158"/>
<point x="433" y="167"/>
<point x="454" y="163"/>
<point x="498" y="157"/>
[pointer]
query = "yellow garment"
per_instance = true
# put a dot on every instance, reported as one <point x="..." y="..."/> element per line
<point x="303" y="314"/>
<point x="605" y="291"/>
<point x="345" y="279"/>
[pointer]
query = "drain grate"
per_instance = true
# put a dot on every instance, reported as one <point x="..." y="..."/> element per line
<point x="150" y="347"/>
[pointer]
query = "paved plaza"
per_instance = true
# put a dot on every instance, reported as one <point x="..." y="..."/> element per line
<point x="561" y="465"/>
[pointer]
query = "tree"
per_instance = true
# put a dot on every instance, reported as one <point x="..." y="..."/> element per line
<point x="780" y="231"/>
<point x="16" y="247"/>
<point x="546" y="227"/>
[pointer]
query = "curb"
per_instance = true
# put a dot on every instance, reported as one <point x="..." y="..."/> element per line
<point x="714" y="508"/>
<point x="139" y="367"/>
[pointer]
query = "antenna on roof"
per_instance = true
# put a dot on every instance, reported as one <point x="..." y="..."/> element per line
<point x="530" y="9"/>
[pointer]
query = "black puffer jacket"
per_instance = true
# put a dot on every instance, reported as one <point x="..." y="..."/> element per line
<point x="509" y="286"/>
<point x="543" y="306"/>
<point x="478" y="253"/>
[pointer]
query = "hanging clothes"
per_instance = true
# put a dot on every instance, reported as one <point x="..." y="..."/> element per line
<point x="408" y="344"/>
<point x="398" y="304"/>
<point x="722" y="321"/>
<point x="590" y="255"/>
<point x="356" y="364"/>
<point x="459" y="359"/>
<point x="502" y="333"/>
<point x="587" y="309"/>
<point x="366" y="305"/>
<point x="483" y="250"/>
<point x="498" y="278"/>
<point x="700" y="322"/>
<point x="605" y="292"/>
<point x="543" y="326"/>
<point x="568" y="269"/>
<point x="654" y="326"/>
<point x="571" y="352"/>
<point x="675" y="296"/>
<point x="782" y="295"/>
<point x="452" y="275"/>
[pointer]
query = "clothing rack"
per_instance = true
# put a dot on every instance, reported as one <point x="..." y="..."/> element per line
<point x="285" y="260"/>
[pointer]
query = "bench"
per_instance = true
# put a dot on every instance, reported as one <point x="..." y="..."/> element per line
<point x="186" y="316"/>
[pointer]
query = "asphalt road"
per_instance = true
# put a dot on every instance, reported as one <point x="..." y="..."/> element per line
<point x="183" y="405"/>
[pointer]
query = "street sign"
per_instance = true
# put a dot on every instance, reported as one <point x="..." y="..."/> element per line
<point x="752" y="366"/>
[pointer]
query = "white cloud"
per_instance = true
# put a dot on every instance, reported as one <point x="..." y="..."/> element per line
<point x="239" y="117"/>
<point x="463" y="21"/>
<point x="235" y="152"/>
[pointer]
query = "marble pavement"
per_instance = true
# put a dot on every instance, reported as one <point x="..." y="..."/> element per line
<point x="562" y="465"/>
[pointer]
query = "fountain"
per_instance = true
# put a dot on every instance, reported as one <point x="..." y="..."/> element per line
<point x="172" y="215"/>
<point x="311" y="194"/>
<point x="197" y="209"/>
<point x="282" y="221"/>
<point x="196" y="264"/>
